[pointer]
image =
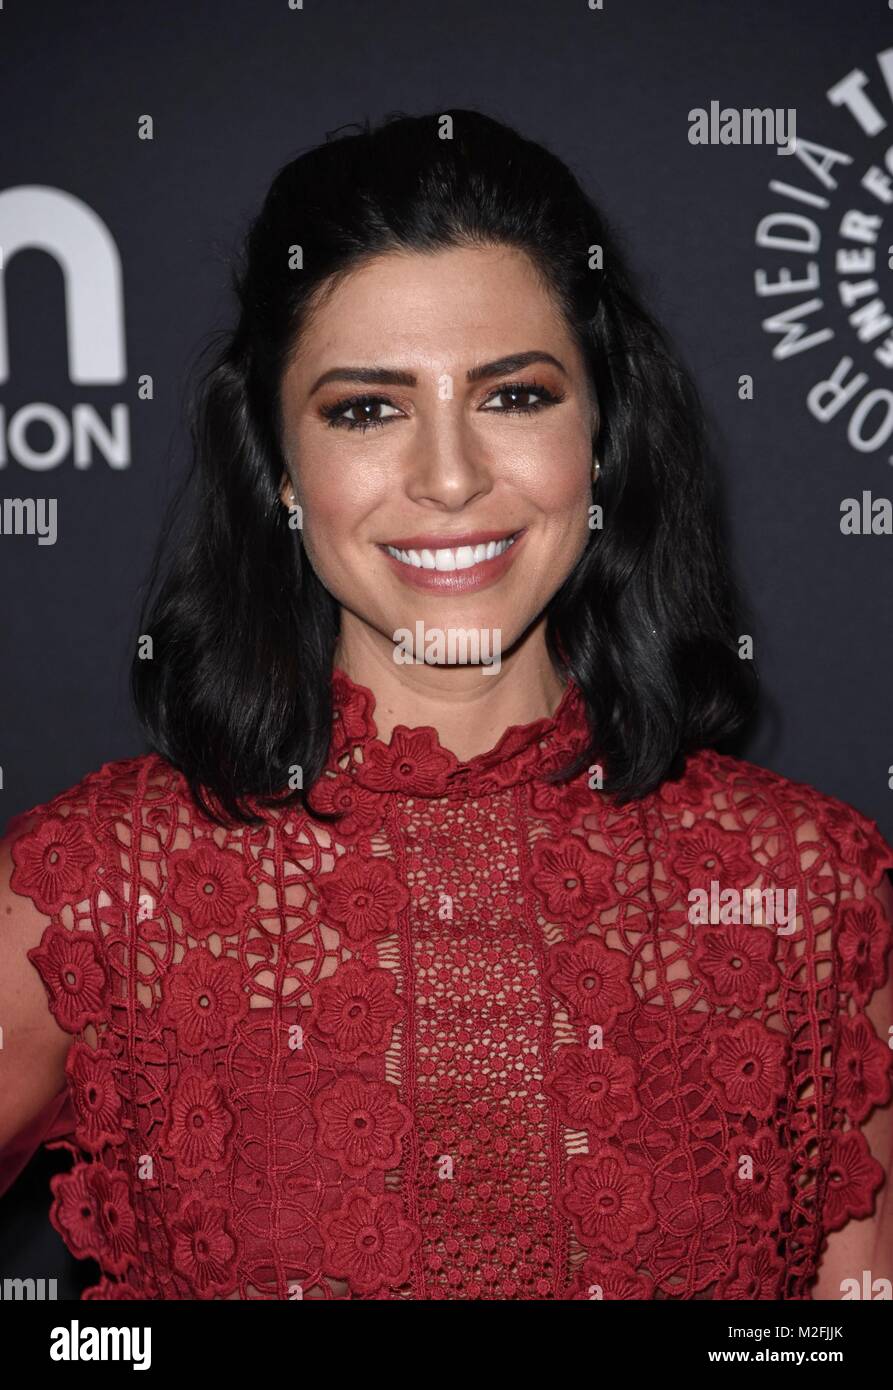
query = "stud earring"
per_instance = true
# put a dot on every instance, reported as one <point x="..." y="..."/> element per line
<point x="597" y="468"/>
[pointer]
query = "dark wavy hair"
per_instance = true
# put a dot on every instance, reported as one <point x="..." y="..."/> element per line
<point x="238" y="690"/>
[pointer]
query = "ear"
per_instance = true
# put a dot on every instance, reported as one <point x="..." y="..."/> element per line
<point x="286" y="491"/>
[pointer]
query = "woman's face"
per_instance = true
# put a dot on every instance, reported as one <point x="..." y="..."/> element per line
<point x="404" y="425"/>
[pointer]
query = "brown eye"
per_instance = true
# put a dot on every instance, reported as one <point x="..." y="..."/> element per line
<point x="364" y="410"/>
<point x="516" y="392"/>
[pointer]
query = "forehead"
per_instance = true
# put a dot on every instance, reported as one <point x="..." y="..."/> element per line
<point x="446" y="306"/>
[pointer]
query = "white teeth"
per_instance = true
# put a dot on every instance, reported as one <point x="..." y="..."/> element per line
<point x="463" y="558"/>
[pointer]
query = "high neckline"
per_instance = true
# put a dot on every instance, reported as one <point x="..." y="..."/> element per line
<point x="413" y="762"/>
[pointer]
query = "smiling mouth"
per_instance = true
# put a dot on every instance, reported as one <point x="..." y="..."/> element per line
<point x="448" y="559"/>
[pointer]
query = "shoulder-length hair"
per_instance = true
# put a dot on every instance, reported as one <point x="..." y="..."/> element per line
<point x="238" y="690"/>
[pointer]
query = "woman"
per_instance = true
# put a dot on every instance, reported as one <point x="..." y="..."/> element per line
<point x="436" y="950"/>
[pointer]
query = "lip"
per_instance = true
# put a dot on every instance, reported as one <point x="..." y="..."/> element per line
<point x="455" y="581"/>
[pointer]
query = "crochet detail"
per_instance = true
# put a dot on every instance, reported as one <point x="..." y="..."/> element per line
<point x="470" y="1042"/>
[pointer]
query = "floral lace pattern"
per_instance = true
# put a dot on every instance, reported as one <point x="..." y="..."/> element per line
<point x="466" y="1043"/>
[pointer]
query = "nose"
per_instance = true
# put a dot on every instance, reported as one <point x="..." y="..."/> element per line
<point x="449" y="467"/>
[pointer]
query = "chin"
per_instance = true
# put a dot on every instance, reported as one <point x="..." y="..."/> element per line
<point x="455" y="639"/>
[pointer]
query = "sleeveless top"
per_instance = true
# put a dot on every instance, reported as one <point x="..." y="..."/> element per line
<point x="484" y="1038"/>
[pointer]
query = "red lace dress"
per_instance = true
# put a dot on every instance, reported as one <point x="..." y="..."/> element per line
<point x="473" y="1043"/>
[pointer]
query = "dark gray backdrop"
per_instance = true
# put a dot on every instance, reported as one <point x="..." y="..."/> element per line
<point x="236" y="87"/>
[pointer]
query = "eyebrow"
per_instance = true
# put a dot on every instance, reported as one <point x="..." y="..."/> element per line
<point x="388" y="376"/>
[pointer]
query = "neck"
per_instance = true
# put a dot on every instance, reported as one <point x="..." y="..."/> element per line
<point x="469" y="706"/>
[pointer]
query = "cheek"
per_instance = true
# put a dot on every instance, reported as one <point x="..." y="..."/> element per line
<point x="336" y="501"/>
<point x="567" y="493"/>
<point x="552" y="463"/>
<point x="560" y="495"/>
<point x="558" y="485"/>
